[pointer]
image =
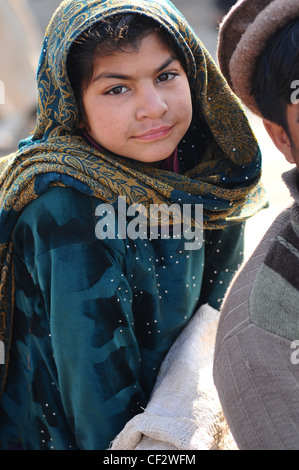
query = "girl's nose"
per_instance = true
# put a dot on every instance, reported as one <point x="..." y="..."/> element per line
<point x="150" y="104"/>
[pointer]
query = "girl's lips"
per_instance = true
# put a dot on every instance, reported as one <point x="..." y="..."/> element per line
<point x="155" y="134"/>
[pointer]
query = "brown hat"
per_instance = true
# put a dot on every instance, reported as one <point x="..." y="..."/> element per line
<point x="243" y="36"/>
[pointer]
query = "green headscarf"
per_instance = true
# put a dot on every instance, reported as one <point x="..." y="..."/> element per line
<point x="225" y="180"/>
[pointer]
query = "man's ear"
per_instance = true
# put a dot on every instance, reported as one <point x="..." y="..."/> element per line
<point x="280" y="139"/>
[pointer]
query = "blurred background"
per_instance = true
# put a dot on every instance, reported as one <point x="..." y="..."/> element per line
<point x="22" y="26"/>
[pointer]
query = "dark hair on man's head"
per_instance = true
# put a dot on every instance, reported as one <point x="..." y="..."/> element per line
<point x="117" y="33"/>
<point x="276" y="70"/>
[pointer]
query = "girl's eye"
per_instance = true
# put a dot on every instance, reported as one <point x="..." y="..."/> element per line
<point x="118" y="90"/>
<point x="166" y="76"/>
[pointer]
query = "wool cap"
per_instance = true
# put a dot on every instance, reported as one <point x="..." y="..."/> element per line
<point x="243" y="36"/>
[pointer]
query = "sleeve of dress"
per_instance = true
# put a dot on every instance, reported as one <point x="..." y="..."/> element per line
<point x="224" y="251"/>
<point x="92" y="328"/>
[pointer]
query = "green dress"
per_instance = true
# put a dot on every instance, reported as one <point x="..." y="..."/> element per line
<point x="94" y="319"/>
<point x="86" y="322"/>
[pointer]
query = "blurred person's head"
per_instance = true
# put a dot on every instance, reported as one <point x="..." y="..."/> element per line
<point x="258" y="54"/>
<point x="277" y="70"/>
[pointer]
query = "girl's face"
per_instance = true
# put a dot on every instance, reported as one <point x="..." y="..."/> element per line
<point x="138" y="103"/>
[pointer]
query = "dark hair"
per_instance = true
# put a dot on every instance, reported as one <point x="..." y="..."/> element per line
<point x="117" y="33"/>
<point x="276" y="69"/>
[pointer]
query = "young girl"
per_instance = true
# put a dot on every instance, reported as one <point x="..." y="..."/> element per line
<point x="130" y="106"/>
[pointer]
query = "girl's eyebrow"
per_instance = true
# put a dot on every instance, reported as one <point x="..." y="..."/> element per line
<point x="119" y="76"/>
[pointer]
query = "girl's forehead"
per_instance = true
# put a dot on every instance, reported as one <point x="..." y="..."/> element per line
<point x="152" y="51"/>
<point x="157" y="38"/>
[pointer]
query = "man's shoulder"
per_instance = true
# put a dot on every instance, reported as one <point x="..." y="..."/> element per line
<point x="266" y="289"/>
<point x="274" y="296"/>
